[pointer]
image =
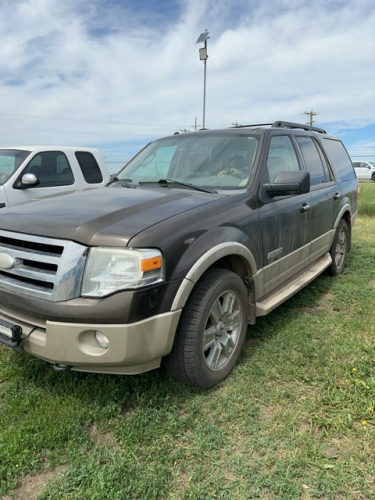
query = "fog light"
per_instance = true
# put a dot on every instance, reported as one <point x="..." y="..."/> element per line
<point x="102" y="340"/>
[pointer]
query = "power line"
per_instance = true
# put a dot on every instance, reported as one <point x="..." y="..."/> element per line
<point x="44" y="117"/>
<point x="62" y="131"/>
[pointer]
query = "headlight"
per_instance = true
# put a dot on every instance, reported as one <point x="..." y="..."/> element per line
<point x="109" y="270"/>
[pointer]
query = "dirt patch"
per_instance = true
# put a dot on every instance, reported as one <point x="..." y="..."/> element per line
<point x="324" y="305"/>
<point x="339" y="449"/>
<point x="126" y="410"/>
<point x="30" y="487"/>
<point x="102" y="438"/>
<point x="268" y="414"/>
<point x="372" y="283"/>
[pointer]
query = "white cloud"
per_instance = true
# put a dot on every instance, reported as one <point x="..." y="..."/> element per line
<point x="101" y="73"/>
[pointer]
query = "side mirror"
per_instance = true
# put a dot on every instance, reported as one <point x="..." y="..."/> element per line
<point x="27" y="181"/>
<point x="289" y="183"/>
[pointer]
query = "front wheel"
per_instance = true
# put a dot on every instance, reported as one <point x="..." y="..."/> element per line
<point x="339" y="249"/>
<point x="211" y="331"/>
<point x="373" y="177"/>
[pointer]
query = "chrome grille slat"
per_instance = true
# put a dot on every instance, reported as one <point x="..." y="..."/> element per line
<point x="32" y="274"/>
<point x="47" y="268"/>
<point x="26" y="251"/>
<point x="25" y="254"/>
<point x="33" y="290"/>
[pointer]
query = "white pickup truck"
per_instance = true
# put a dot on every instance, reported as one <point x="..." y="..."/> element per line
<point x="33" y="172"/>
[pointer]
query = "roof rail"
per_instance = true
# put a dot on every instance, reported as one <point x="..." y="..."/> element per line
<point x="252" y="125"/>
<point x="282" y="124"/>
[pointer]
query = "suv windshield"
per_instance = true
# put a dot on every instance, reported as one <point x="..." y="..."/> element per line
<point x="10" y="160"/>
<point x="208" y="160"/>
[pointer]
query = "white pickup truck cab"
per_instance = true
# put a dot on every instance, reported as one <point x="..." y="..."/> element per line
<point x="33" y="172"/>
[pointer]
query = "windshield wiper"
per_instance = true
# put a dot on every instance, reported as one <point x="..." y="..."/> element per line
<point x="123" y="182"/>
<point x="167" y="182"/>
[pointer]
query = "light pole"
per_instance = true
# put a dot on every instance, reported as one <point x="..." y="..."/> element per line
<point x="203" y="37"/>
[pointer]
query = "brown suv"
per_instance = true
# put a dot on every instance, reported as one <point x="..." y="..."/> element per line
<point x="196" y="237"/>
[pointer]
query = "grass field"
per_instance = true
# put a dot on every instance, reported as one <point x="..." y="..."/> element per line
<point x="295" y="420"/>
<point x="367" y="198"/>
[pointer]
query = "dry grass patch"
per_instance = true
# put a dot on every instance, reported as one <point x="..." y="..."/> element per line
<point x="102" y="438"/>
<point x="30" y="487"/>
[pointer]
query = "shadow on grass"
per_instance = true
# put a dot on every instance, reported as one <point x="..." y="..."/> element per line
<point x="118" y="394"/>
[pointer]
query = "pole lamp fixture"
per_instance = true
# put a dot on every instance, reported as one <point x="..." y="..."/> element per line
<point x="203" y="37"/>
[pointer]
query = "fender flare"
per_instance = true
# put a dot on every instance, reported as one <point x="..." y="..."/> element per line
<point x="207" y="260"/>
<point x="345" y="208"/>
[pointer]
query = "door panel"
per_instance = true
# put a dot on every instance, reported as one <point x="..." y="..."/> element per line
<point x="284" y="221"/>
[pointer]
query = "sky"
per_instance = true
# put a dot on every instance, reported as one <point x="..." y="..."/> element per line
<point x="116" y="74"/>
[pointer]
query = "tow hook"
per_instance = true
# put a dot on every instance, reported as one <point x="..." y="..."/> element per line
<point x="62" y="368"/>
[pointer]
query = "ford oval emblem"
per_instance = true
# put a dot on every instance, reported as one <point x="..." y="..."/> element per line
<point x="6" y="261"/>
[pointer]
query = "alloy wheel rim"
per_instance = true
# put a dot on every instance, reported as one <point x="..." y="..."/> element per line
<point x="222" y="330"/>
<point x="340" y="249"/>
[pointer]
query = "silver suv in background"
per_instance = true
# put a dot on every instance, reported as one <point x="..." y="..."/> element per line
<point x="365" y="169"/>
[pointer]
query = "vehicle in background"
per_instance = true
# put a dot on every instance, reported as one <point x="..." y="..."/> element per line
<point x="33" y="172"/>
<point x="365" y="169"/>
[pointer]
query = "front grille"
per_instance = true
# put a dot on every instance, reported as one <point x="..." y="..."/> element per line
<point x="47" y="268"/>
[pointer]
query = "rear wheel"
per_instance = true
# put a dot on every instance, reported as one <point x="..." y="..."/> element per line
<point x="339" y="249"/>
<point x="211" y="331"/>
<point x="373" y="177"/>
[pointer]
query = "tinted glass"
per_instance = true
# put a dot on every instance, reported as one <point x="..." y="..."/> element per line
<point x="281" y="156"/>
<point x="52" y="168"/>
<point x="89" y="167"/>
<point x="340" y="158"/>
<point x="312" y="160"/>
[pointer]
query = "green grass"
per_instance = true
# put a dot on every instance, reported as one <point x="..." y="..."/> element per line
<point x="295" y="420"/>
<point x="367" y="198"/>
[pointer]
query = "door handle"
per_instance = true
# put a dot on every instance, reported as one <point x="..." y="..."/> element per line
<point x="304" y="207"/>
<point x="336" y="196"/>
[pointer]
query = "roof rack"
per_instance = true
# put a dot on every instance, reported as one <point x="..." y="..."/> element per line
<point x="282" y="124"/>
<point x="252" y="125"/>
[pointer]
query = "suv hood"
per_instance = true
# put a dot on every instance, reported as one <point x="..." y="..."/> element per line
<point x="109" y="216"/>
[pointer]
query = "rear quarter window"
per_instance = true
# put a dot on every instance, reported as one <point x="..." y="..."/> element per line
<point x="339" y="159"/>
<point x="89" y="167"/>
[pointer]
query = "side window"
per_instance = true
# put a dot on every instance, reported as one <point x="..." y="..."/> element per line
<point x="51" y="168"/>
<point x="281" y="156"/>
<point x="89" y="167"/>
<point x="326" y="166"/>
<point x="340" y="158"/>
<point x="315" y="161"/>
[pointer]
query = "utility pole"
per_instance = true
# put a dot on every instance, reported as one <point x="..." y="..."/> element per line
<point x="311" y="114"/>
<point x="196" y="124"/>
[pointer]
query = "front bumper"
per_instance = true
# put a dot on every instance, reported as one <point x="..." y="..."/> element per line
<point x="133" y="348"/>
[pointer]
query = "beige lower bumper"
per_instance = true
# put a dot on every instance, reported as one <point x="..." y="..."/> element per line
<point x="133" y="348"/>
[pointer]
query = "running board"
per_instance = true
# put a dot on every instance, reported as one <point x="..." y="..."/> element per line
<point x="269" y="302"/>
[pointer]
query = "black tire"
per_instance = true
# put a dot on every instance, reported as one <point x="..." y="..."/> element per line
<point x="211" y="331"/>
<point x="373" y="177"/>
<point x="339" y="249"/>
